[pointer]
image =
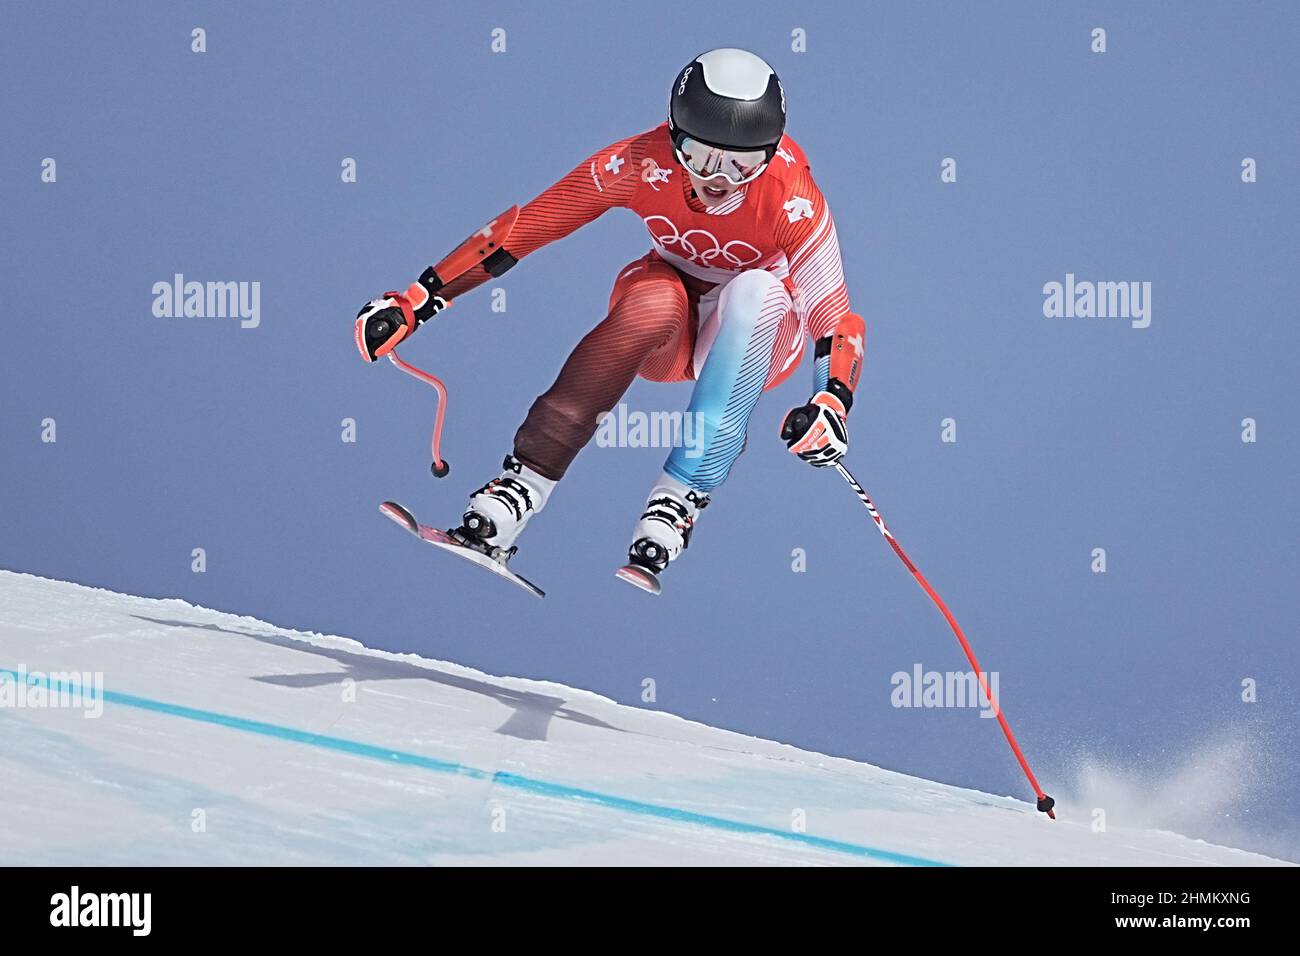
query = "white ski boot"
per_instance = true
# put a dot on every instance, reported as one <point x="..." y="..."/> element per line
<point x="498" y="511"/>
<point x="663" y="532"/>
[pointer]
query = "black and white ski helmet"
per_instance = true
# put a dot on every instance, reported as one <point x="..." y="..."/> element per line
<point x="728" y="98"/>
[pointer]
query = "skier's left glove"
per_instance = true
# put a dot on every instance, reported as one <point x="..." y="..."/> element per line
<point x="384" y="322"/>
<point x="816" y="432"/>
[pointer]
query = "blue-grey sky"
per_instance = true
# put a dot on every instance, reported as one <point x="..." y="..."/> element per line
<point x="1072" y="433"/>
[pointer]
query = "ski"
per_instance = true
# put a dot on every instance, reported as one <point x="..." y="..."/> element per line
<point x="492" y="559"/>
<point x="640" y="576"/>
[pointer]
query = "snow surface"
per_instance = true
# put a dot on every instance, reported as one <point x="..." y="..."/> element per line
<point x="226" y="740"/>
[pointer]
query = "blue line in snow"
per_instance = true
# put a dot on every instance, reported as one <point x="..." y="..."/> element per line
<point x="500" y="777"/>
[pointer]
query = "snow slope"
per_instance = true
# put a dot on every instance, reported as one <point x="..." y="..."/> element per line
<point x="225" y="740"/>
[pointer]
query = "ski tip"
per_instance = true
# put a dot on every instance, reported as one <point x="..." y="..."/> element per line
<point x="640" y="577"/>
<point x="391" y="509"/>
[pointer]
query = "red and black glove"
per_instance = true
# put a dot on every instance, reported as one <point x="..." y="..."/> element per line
<point x="817" y="432"/>
<point x="384" y="322"/>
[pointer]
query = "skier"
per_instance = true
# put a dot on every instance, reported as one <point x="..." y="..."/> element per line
<point x="744" y="265"/>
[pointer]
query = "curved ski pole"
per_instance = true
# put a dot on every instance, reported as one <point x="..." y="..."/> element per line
<point x="484" y="248"/>
<point x="440" y="467"/>
<point x="1045" y="803"/>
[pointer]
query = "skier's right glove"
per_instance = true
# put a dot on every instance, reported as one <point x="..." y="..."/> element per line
<point x="816" y="432"/>
<point x="384" y="322"/>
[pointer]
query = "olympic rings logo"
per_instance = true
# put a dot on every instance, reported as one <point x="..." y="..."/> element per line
<point x="701" y="246"/>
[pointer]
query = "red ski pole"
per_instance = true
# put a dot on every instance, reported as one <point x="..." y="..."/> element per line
<point x="483" y="249"/>
<point x="1045" y="803"/>
<point x="440" y="466"/>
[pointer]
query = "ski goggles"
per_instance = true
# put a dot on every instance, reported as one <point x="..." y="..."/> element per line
<point x="712" y="162"/>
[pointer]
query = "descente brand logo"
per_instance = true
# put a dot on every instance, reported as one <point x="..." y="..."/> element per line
<point x="133" y="910"/>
